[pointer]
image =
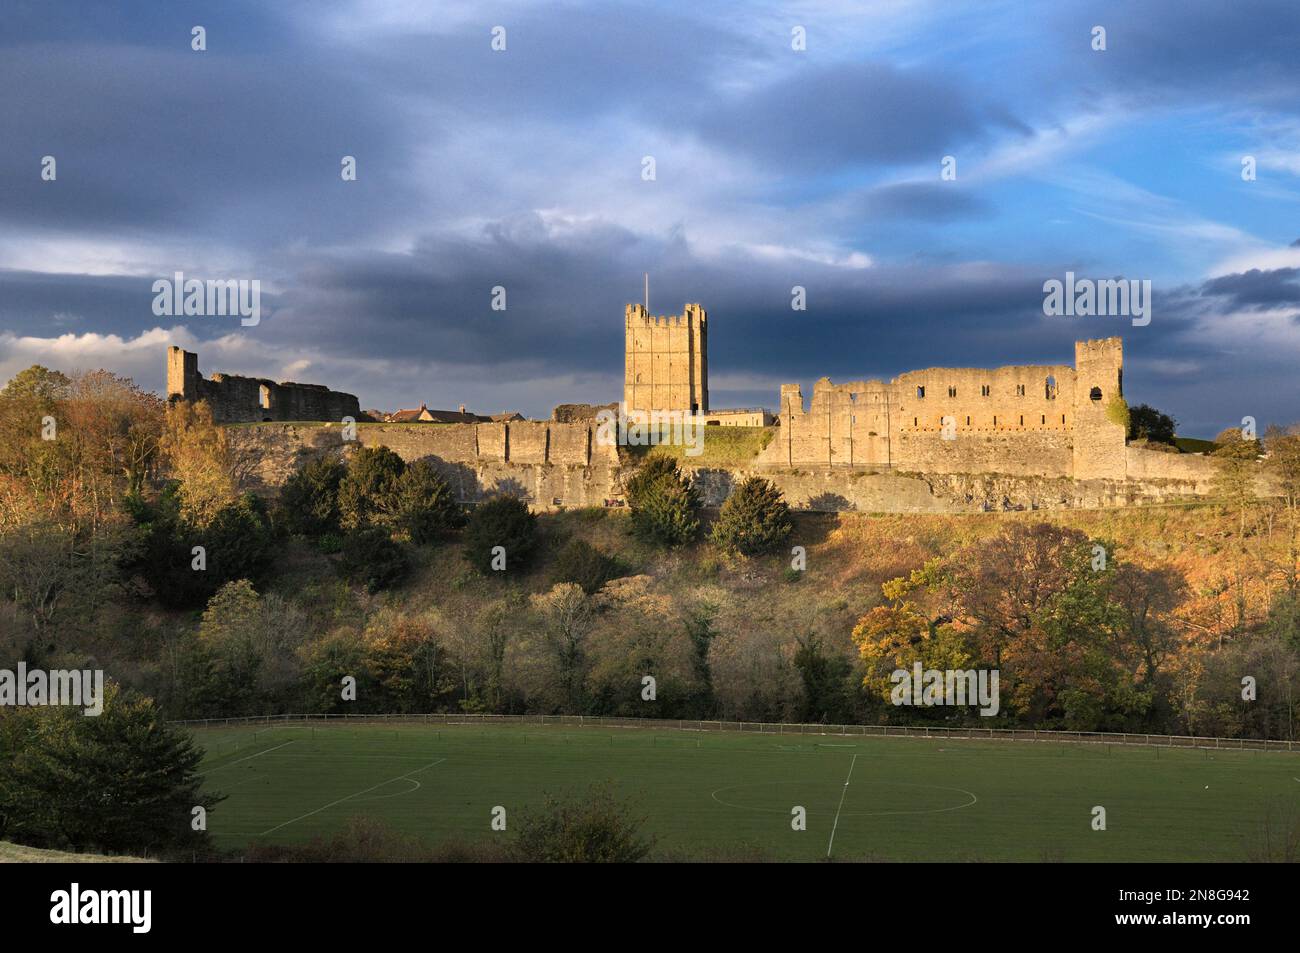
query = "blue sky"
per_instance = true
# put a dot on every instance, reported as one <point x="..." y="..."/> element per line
<point x="774" y="168"/>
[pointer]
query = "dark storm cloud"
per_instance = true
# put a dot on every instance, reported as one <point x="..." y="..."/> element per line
<point x="1257" y="289"/>
<point x="159" y="140"/>
<point x="108" y="304"/>
<point x="848" y="114"/>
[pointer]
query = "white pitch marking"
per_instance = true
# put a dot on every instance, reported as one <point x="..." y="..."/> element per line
<point x="831" y="842"/>
<point x="249" y="758"/>
<point x="401" y="777"/>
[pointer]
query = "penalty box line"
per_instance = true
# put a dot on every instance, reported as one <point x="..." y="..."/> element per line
<point x="249" y="758"/>
<point x="831" y="842"/>
<point x="373" y="787"/>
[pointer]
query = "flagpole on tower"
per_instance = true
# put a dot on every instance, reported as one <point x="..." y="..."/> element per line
<point x="647" y="292"/>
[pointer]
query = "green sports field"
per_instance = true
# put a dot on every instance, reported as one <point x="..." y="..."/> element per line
<point x="729" y="794"/>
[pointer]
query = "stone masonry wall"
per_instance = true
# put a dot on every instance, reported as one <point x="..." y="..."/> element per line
<point x="548" y="464"/>
<point x="578" y="472"/>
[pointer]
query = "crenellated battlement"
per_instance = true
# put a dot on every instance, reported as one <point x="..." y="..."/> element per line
<point x="694" y="316"/>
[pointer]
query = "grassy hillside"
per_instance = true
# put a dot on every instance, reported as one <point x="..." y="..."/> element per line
<point x="721" y="447"/>
<point x="1194" y="445"/>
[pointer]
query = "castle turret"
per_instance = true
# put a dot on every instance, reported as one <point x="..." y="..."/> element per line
<point x="1099" y="431"/>
<point x="182" y="374"/>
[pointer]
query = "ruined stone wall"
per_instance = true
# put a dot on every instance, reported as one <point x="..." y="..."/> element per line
<point x="236" y="399"/>
<point x="666" y="365"/>
<point x="1031" y="420"/>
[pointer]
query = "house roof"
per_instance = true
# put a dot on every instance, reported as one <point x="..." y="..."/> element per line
<point x="405" y="416"/>
<point x="424" y="414"/>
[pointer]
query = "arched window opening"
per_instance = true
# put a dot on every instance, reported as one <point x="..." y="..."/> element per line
<point x="1095" y="393"/>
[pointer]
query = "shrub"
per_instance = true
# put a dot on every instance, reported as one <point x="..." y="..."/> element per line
<point x="309" y="500"/>
<point x="651" y="470"/>
<point x="504" y="521"/>
<point x="1147" y="423"/>
<point x="426" y="507"/>
<point x="371" y="558"/>
<point x="238" y="543"/>
<point x="123" y="782"/>
<point x="663" y="503"/>
<point x="581" y="563"/>
<point x="1117" y="412"/>
<point x="330" y="543"/>
<point x="370" y="491"/>
<point x="755" y="519"/>
<point x="596" y="828"/>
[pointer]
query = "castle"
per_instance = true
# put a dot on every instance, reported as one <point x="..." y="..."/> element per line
<point x="932" y="440"/>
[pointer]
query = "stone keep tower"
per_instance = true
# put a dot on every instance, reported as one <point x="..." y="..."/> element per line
<point x="666" y="362"/>
<point x="182" y="374"/>
<point x="1098" y="382"/>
